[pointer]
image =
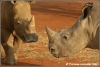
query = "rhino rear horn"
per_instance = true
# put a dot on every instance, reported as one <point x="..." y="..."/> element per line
<point x="50" y="32"/>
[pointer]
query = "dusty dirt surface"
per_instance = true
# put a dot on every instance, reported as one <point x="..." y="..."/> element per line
<point x="56" y="15"/>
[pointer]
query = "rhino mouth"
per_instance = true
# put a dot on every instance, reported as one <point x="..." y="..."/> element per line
<point x="30" y="38"/>
<point x="55" y="55"/>
<point x="59" y="55"/>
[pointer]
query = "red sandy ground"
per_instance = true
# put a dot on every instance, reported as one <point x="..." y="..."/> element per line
<point x="56" y="15"/>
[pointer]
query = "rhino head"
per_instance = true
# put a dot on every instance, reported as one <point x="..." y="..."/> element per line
<point x="24" y="21"/>
<point x="69" y="41"/>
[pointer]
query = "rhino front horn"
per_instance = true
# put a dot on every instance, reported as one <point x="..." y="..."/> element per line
<point x="50" y="32"/>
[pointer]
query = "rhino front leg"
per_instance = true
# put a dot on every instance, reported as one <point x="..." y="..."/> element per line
<point x="9" y="51"/>
<point x="7" y="43"/>
<point x="17" y="43"/>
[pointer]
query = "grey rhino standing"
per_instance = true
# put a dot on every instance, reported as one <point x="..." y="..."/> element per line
<point x="84" y="33"/>
<point x="17" y="22"/>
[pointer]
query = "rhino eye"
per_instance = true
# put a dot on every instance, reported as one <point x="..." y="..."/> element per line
<point x="19" y="22"/>
<point x="65" y="37"/>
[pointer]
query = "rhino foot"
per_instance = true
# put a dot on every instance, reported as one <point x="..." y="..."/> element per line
<point x="5" y="61"/>
<point x="11" y="63"/>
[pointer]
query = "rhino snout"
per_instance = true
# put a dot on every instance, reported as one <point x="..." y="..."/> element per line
<point x="30" y="38"/>
<point x="54" y="52"/>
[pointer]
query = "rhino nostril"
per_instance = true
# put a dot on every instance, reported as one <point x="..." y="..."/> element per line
<point x="52" y="50"/>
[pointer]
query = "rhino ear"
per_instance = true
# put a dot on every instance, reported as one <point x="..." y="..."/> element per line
<point x="13" y="1"/>
<point x="31" y="2"/>
<point x="87" y="9"/>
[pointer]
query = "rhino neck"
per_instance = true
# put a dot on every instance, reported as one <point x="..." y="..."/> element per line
<point x="7" y="15"/>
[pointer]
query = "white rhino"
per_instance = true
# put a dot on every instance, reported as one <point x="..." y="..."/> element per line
<point x="17" y="22"/>
<point x="84" y="33"/>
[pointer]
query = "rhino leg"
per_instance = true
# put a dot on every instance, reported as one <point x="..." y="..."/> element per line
<point x="9" y="51"/>
<point x="7" y="43"/>
<point x="17" y="43"/>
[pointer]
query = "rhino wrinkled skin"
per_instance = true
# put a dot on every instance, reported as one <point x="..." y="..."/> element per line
<point x="17" y="26"/>
<point x="84" y="33"/>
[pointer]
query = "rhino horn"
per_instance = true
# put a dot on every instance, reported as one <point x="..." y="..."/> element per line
<point x="50" y="32"/>
<point x="32" y="20"/>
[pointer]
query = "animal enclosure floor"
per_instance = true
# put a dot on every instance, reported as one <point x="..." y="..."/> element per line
<point x="56" y="15"/>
